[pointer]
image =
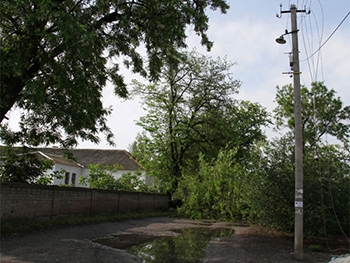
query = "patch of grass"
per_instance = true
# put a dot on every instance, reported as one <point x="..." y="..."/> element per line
<point x="315" y="248"/>
<point x="22" y="225"/>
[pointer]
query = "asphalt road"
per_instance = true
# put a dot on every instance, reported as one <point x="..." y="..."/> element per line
<point x="74" y="244"/>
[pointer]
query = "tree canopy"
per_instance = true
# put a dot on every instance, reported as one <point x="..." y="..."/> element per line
<point x="325" y="165"/>
<point x="192" y="111"/>
<point x="100" y="177"/>
<point x="23" y="165"/>
<point x="260" y="187"/>
<point x="322" y="113"/>
<point x="54" y="58"/>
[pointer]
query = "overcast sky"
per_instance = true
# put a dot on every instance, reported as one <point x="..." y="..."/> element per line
<point x="246" y="35"/>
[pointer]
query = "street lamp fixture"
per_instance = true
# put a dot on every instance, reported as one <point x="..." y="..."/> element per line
<point x="280" y="40"/>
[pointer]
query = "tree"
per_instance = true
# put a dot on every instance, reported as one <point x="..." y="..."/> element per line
<point x="326" y="167"/>
<point x="23" y="165"/>
<point x="322" y="113"/>
<point x="102" y="178"/>
<point x="270" y="188"/>
<point x="192" y="111"/>
<point x="214" y="191"/>
<point x="54" y="58"/>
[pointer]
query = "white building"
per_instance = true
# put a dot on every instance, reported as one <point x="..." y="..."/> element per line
<point x="73" y="170"/>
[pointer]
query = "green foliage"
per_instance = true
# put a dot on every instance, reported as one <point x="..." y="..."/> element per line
<point x="322" y="113"/>
<point x="327" y="182"/>
<point x="133" y="182"/>
<point x="315" y="248"/>
<point x="144" y="151"/>
<point x="326" y="178"/>
<point x="25" y="166"/>
<point x="44" y="180"/>
<point x="215" y="191"/>
<point x="56" y="55"/>
<point x="269" y="189"/>
<point x="102" y="178"/>
<point x="190" y="111"/>
<point x="260" y="186"/>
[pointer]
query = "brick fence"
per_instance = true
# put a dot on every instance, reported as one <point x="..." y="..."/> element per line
<point x="27" y="200"/>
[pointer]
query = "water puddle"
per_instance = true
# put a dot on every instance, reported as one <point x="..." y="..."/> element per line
<point x="187" y="246"/>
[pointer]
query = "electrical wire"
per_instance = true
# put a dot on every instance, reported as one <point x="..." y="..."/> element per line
<point x="304" y="32"/>
<point x="320" y="36"/>
<point x="308" y="42"/>
<point x="328" y="37"/>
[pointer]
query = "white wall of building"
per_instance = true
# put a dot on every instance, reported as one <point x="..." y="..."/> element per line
<point x="71" y="174"/>
<point x="69" y="171"/>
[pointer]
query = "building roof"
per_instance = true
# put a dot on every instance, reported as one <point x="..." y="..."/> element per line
<point x="97" y="156"/>
<point x="60" y="159"/>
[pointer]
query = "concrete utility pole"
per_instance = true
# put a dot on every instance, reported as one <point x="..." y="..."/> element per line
<point x="298" y="226"/>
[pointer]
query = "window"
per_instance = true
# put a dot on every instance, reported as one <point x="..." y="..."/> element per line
<point x="66" y="179"/>
<point x="73" y="178"/>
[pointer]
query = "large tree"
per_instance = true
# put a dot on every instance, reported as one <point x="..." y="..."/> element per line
<point x="192" y="110"/>
<point x="326" y="166"/>
<point x="323" y="113"/>
<point x="54" y="58"/>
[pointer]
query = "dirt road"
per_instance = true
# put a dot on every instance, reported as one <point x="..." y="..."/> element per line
<point x="74" y="244"/>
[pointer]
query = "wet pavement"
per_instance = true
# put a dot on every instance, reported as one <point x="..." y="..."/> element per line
<point x="185" y="245"/>
<point x="76" y="244"/>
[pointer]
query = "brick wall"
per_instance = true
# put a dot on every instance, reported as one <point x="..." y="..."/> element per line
<point x="50" y="201"/>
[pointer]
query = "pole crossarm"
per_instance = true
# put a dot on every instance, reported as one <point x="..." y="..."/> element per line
<point x="289" y="11"/>
<point x="298" y="11"/>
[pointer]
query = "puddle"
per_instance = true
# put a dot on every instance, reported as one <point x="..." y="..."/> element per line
<point x="126" y="240"/>
<point x="188" y="246"/>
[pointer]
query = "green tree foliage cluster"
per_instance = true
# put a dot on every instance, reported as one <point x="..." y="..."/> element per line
<point x="215" y="190"/>
<point x="241" y="175"/>
<point x="326" y="189"/>
<point x="322" y="114"/>
<point x="24" y="165"/>
<point x="326" y="166"/>
<point x="102" y="178"/>
<point x="192" y="111"/>
<point x="54" y="58"/>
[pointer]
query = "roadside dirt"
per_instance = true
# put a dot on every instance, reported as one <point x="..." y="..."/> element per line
<point x="74" y="244"/>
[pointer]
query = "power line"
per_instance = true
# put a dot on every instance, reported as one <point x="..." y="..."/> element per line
<point x="319" y="57"/>
<point x="308" y="39"/>
<point x="328" y="37"/>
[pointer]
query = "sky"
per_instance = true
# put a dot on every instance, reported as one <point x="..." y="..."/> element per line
<point x="246" y="35"/>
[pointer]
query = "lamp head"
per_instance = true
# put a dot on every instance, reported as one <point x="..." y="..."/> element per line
<point x="280" y="40"/>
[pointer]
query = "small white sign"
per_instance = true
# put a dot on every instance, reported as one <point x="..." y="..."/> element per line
<point x="298" y="203"/>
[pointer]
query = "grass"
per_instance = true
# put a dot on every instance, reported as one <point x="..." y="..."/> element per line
<point x="22" y="225"/>
<point x="315" y="248"/>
